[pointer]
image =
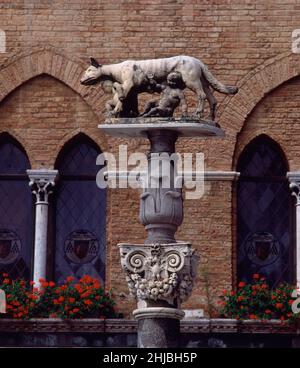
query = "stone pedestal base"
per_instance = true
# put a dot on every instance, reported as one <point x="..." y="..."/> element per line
<point x="158" y="327"/>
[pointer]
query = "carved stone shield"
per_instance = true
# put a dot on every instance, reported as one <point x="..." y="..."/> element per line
<point x="262" y="249"/>
<point x="5" y="248"/>
<point x="10" y="246"/>
<point x="81" y="247"/>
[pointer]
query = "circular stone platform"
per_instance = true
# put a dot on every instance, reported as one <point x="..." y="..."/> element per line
<point x="140" y="127"/>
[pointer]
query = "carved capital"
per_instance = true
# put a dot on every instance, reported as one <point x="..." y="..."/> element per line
<point x="159" y="272"/>
<point x="294" y="179"/>
<point x="295" y="190"/>
<point x="42" y="183"/>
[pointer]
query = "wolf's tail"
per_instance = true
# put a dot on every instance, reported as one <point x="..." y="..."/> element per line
<point x="218" y="86"/>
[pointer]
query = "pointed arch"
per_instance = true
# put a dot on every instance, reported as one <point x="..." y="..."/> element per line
<point x="253" y="87"/>
<point x="71" y="144"/>
<point x="14" y="159"/>
<point x="24" y="66"/>
<point x="18" y="143"/>
<point x="80" y="213"/>
<point x="271" y="147"/>
<point x="15" y="124"/>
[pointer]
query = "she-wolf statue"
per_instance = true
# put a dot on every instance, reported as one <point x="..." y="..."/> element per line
<point x="194" y="73"/>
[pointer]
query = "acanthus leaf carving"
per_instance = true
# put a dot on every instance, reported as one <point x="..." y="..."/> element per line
<point x="159" y="272"/>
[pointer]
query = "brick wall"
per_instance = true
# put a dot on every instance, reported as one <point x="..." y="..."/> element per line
<point x="243" y="42"/>
<point x="277" y="115"/>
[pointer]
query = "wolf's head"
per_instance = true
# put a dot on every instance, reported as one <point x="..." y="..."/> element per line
<point x="92" y="74"/>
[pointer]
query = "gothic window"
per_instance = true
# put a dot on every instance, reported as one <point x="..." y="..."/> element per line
<point x="264" y="214"/>
<point x="16" y="210"/>
<point x="80" y="213"/>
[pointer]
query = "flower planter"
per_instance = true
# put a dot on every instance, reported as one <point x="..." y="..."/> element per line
<point x="70" y="300"/>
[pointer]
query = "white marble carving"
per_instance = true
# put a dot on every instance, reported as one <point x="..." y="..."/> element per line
<point x="41" y="183"/>
<point x="160" y="272"/>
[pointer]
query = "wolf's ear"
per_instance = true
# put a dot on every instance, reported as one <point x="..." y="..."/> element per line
<point x="95" y="63"/>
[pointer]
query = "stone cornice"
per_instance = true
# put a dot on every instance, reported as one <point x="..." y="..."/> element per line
<point x="43" y="174"/>
<point x="293" y="176"/>
<point x="109" y="326"/>
<point x="208" y="175"/>
<point x="221" y="175"/>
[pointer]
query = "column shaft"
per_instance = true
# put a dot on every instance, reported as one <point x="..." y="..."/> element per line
<point x="298" y="243"/>
<point x="41" y="183"/>
<point x="161" y="206"/>
<point x="40" y="242"/>
<point x="294" y="178"/>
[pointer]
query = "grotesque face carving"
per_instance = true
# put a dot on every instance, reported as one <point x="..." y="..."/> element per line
<point x="92" y="74"/>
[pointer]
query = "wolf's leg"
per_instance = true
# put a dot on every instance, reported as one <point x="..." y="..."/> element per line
<point x="212" y="102"/>
<point x="125" y="88"/>
<point x="196" y="86"/>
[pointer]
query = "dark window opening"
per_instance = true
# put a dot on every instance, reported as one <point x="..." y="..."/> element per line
<point x="16" y="211"/>
<point x="264" y="214"/>
<point x="80" y="213"/>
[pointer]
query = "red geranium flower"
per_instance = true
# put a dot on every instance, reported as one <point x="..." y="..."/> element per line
<point x="88" y="302"/>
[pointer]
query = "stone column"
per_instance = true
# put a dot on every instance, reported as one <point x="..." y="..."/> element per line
<point x="160" y="273"/>
<point x="41" y="183"/>
<point x="161" y="206"/>
<point x="294" y="178"/>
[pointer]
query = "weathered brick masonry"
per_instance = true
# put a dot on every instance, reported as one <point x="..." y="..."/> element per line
<point x="244" y="42"/>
